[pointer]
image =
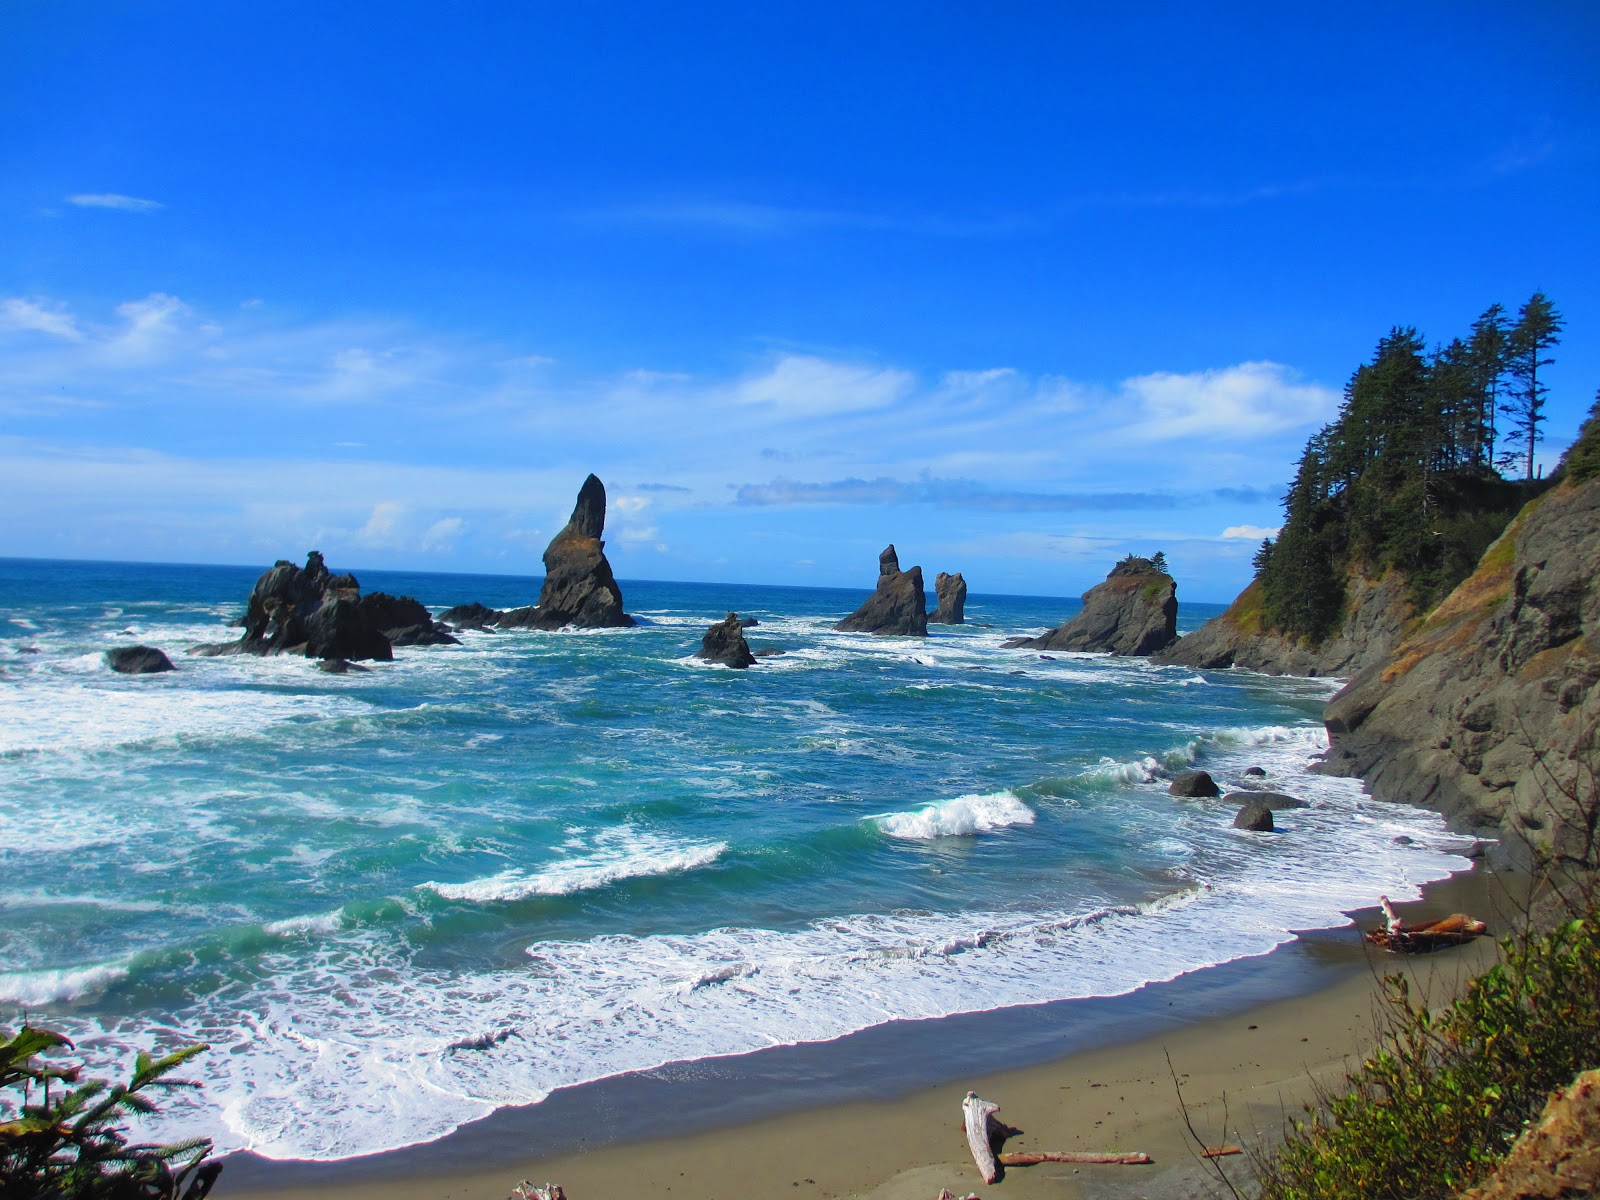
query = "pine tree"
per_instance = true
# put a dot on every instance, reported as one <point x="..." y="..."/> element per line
<point x="1486" y="354"/>
<point x="1538" y="328"/>
<point x="1263" y="557"/>
<point x="1159" y="561"/>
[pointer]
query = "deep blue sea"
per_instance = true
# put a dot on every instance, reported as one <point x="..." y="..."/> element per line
<point x="395" y="901"/>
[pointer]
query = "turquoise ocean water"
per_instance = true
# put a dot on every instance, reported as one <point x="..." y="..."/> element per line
<point x="394" y="902"/>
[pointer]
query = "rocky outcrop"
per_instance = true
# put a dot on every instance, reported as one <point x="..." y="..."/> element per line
<point x="1275" y="801"/>
<point x="404" y="621"/>
<point x="306" y="610"/>
<point x="952" y="593"/>
<point x="579" y="588"/>
<point x="1556" y="1156"/>
<point x="472" y="616"/>
<point x="137" y="660"/>
<point x="1488" y="710"/>
<point x="899" y="606"/>
<point x="1135" y="611"/>
<point x="724" y="643"/>
<point x="1376" y="617"/>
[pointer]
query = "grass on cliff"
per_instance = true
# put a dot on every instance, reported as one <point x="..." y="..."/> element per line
<point x="1446" y="1093"/>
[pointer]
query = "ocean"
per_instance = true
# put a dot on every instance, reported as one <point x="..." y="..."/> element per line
<point x="397" y="901"/>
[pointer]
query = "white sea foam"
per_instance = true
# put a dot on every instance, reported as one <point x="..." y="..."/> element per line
<point x="70" y="983"/>
<point x="964" y="815"/>
<point x="611" y="855"/>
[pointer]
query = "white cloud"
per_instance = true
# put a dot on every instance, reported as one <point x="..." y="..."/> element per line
<point x="150" y="322"/>
<point x="637" y="533"/>
<point x="1253" y="399"/>
<point x="1253" y="533"/>
<point x="27" y="315"/>
<point x="442" y="534"/>
<point x="629" y="504"/>
<point x="114" y="200"/>
<point x="382" y="524"/>
<point x="801" y="385"/>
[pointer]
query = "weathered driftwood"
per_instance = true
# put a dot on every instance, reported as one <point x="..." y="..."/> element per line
<point x="526" y="1190"/>
<point x="978" y="1114"/>
<point x="1133" y="1158"/>
<point x="947" y="1194"/>
<point x="1220" y="1151"/>
<point x="1429" y="935"/>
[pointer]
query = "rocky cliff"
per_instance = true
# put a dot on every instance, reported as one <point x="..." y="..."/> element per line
<point x="899" y="605"/>
<point x="1487" y="710"/>
<point x="579" y="588"/>
<point x="1376" y="616"/>
<point x="1135" y="611"/>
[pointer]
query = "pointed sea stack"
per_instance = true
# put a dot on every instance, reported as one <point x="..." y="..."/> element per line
<point x="899" y="606"/>
<point x="724" y="643"/>
<point x="579" y="588"/>
<point x="952" y="593"/>
<point x="1135" y="611"/>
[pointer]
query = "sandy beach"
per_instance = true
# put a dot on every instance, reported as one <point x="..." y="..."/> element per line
<point x="1242" y="1068"/>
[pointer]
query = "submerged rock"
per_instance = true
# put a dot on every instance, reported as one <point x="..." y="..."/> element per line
<point x="724" y="643"/>
<point x="579" y="588"/>
<point x="1135" y="611"/>
<point x="1255" y="816"/>
<point x="137" y="660"/>
<point x="1276" y="801"/>
<point x="1193" y="783"/>
<point x="899" y="606"/>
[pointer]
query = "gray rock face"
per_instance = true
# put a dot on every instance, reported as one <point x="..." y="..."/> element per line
<point x="1376" y="613"/>
<point x="404" y="621"/>
<point x="579" y="588"/>
<point x="471" y="616"/>
<point x="137" y="660"/>
<point x="1193" y="783"/>
<point x="1254" y="816"/>
<point x="952" y="593"/>
<point x="899" y="606"/>
<point x="724" y="643"/>
<point x="1489" y="710"/>
<point x="1132" y="612"/>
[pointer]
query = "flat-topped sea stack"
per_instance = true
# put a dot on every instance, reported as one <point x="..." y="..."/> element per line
<point x="899" y="607"/>
<point x="952" y="593"/>
<point x="311" y="611"/>
<point x="1135" y="611"/>
<point x="579" y="589"/>
<point x="724" y="643"/>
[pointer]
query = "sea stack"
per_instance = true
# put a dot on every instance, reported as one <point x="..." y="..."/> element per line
<point x="1135" y="611"/>
<point x="579" y="588"/>
<point x="724" y="643"/>
<point x="952" y="593"/>
<point x="899" y="607"/>
<point x="306" y="610"/>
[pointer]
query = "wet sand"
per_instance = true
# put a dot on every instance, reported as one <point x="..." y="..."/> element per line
<point x="1245" y="1054"/>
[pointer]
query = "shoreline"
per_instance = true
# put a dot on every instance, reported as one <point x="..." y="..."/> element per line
<point x="804" y="1121"/>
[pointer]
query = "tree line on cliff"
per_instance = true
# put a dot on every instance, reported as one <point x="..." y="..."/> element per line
<point x="1408" y="475"/>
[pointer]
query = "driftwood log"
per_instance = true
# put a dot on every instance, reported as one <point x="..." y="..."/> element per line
<point x="1220" y="1151"/>
<point x="1428" y="935"/>
<point x="526" y="1190"/>
<point x="1134" y="1158"/>
<point x="978" y="1113"/>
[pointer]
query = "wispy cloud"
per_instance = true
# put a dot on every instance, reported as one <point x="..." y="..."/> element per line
<point x="743" y="218"/>
<point x="800" y="385"/>
<point x="957" y="493"/>
<point x="114" y="200"/>
<point x="1253" y="399"/>
<point x="17" y="314"/>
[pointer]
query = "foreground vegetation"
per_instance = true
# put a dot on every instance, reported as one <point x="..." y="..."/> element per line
<point x="61" y="1136"/>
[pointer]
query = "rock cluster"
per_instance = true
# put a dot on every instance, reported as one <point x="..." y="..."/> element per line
<point x="952" y="593"/>
<point x="579" y="588"/>
<point x="1489" y="709"/>
<point x="137" y="660"/>
<point x="1135" y="611"/>
<point x="724" y="643"/>
<point x="899" y="605"/>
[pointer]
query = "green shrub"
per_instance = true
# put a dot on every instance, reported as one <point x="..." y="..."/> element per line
<point x="63" y="1140"/>
<point x="1447" y="1093"/>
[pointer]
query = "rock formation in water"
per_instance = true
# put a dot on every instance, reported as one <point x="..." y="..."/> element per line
<point x="952" y="593"/>
<point x="306" y="610"/>
<point x="472" y="616"/>
<point x="579" y="588"/>
<point x="899" y="606"/>
<point x="1135" y="611"/>
<point x="404" y="621"/>
<point x="1193" y="783"/>
<point x="724" y="643"/>
<point x="137" y="660"/>
<point x="1255" y="816"/>
<point x="1488" y="710"/>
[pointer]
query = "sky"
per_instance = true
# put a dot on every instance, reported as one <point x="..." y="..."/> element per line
<point x="1020" y="288"/>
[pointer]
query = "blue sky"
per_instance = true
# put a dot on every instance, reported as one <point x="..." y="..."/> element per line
<point x="1020" y="288"/>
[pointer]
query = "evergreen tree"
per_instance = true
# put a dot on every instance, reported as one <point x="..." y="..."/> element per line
<point x="1263" y="557"/>
<point x="1159" y="562"/>
<point x="1538" y="328"/>
<point x="1486" y="354"/>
